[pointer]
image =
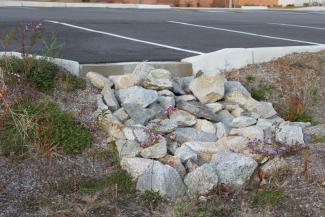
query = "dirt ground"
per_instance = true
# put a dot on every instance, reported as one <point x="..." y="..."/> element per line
<point x="72" y="185"/>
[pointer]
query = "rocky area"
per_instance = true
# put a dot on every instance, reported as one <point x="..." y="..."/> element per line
<point x="189" y="135"/>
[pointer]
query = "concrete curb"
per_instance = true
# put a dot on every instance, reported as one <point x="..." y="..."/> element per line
<point x="71" y="66"/>
<point x="254" y="7"/>
<point x="79" y="5"/>
<point x="236" y="58"/>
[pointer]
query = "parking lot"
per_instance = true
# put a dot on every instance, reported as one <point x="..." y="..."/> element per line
<point x="122" y="35"/>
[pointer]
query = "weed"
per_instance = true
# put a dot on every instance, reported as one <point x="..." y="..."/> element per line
<point x="29" y="125"/>
<point x="258" y="93"/>
<point x="122" y="180"/>
<point x="250" y="78"/>
<point x="151" y="199"/>
<point x="270" y="198"/>
<point x="71" y="82"/>
<point x="317" y="139"/>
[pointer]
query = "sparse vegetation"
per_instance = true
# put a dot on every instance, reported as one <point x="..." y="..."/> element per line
<point x="151" y="199"/>
<point x="250" y="78"/>
<point x="258" y="94"/>
<point x="270" y="198"/>
<point x="31" y="125"/>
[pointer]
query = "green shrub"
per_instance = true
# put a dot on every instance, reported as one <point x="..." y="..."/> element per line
<point x="250" y="78"/>
<point x="29" y="125"/>
<point x="258" y="93"/>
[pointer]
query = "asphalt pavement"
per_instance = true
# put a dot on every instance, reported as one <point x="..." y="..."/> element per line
<point x="95" y="35"/>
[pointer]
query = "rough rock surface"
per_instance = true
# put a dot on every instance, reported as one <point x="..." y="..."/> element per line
<point x="155" y="151"/>
<point x="234" y="170"/>
<point x="182" y="118"/>
<point x="137" y="95"/>
<point x="208" y="88"/>
<point x="163" y="179"/>
<point x="192" y="134"/>
<point x="202" y="180"/>
<point x="198" y="109"/>
<point x="98" y="80"/>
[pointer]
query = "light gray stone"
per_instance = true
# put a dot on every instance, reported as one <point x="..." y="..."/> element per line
<point x="165" y="93"/>
<point x="208" y="88"/>
<point x="235" y="86"/>
<point x="172" y="147"/>
<point x="163" y="179"/>
<point x="177" y="88"/>
<point x="198" y="109"/>
<point x="215" y="107"/>
<point x="185" y="153"/>
<point x="101" y="106"/>
<point x="137" y="95"/>
<point x="192" y="134"/>
<point x="155" y="151"/>
<point x="127" y="148"/>
<point x="243" y="121"/>
<point x="162" y="126"/>
<point x="98" y="80"/>
<point x="139" y="114"/>
<point x="121" y="115"/>
<point x="264" y="109"/>
<point x="177" y="164"/>
<point x="289" y="135"/>
<point x="251" y="132"/>
<point x="205" y="126"/>
<point x="158" y="79"/>
<point x="234" y="170"/>
<point x="205" y="150"/>
<point x="167" y="101"/>
<point x="185" y="98"/>
<point x="317" y="131"/>
<point x="137" y="133"/>
<point x="110" y="99"/>
<point x="182" y="118"/>
<point x="136" y="166"/>
<point x="224" y="117"/>
<point x="125" y="81"/>
<point x="185" y="83"/>
<point x="202" y="180"/>
<point x="222" y="130"/>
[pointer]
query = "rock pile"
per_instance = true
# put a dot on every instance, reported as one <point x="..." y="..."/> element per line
<point x="189" y="134"/>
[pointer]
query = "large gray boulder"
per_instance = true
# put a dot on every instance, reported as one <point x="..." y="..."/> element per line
<point x="109" y="123"/>
<point x="163" y="179"/>
<point x="137" y="95"/>
<point x="234" y="170"/>
<point x="192" y="134"/>
<point x="202" y="180"/>
<point x="198" y="109"/>
<point x="225" y="117"/>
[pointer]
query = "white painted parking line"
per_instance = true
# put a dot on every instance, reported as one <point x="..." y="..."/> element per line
<point x="308" y="27"/>
<point x="245" y="33"/>
<point x="215" y="11"/>
<point x="125" y="37"/>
